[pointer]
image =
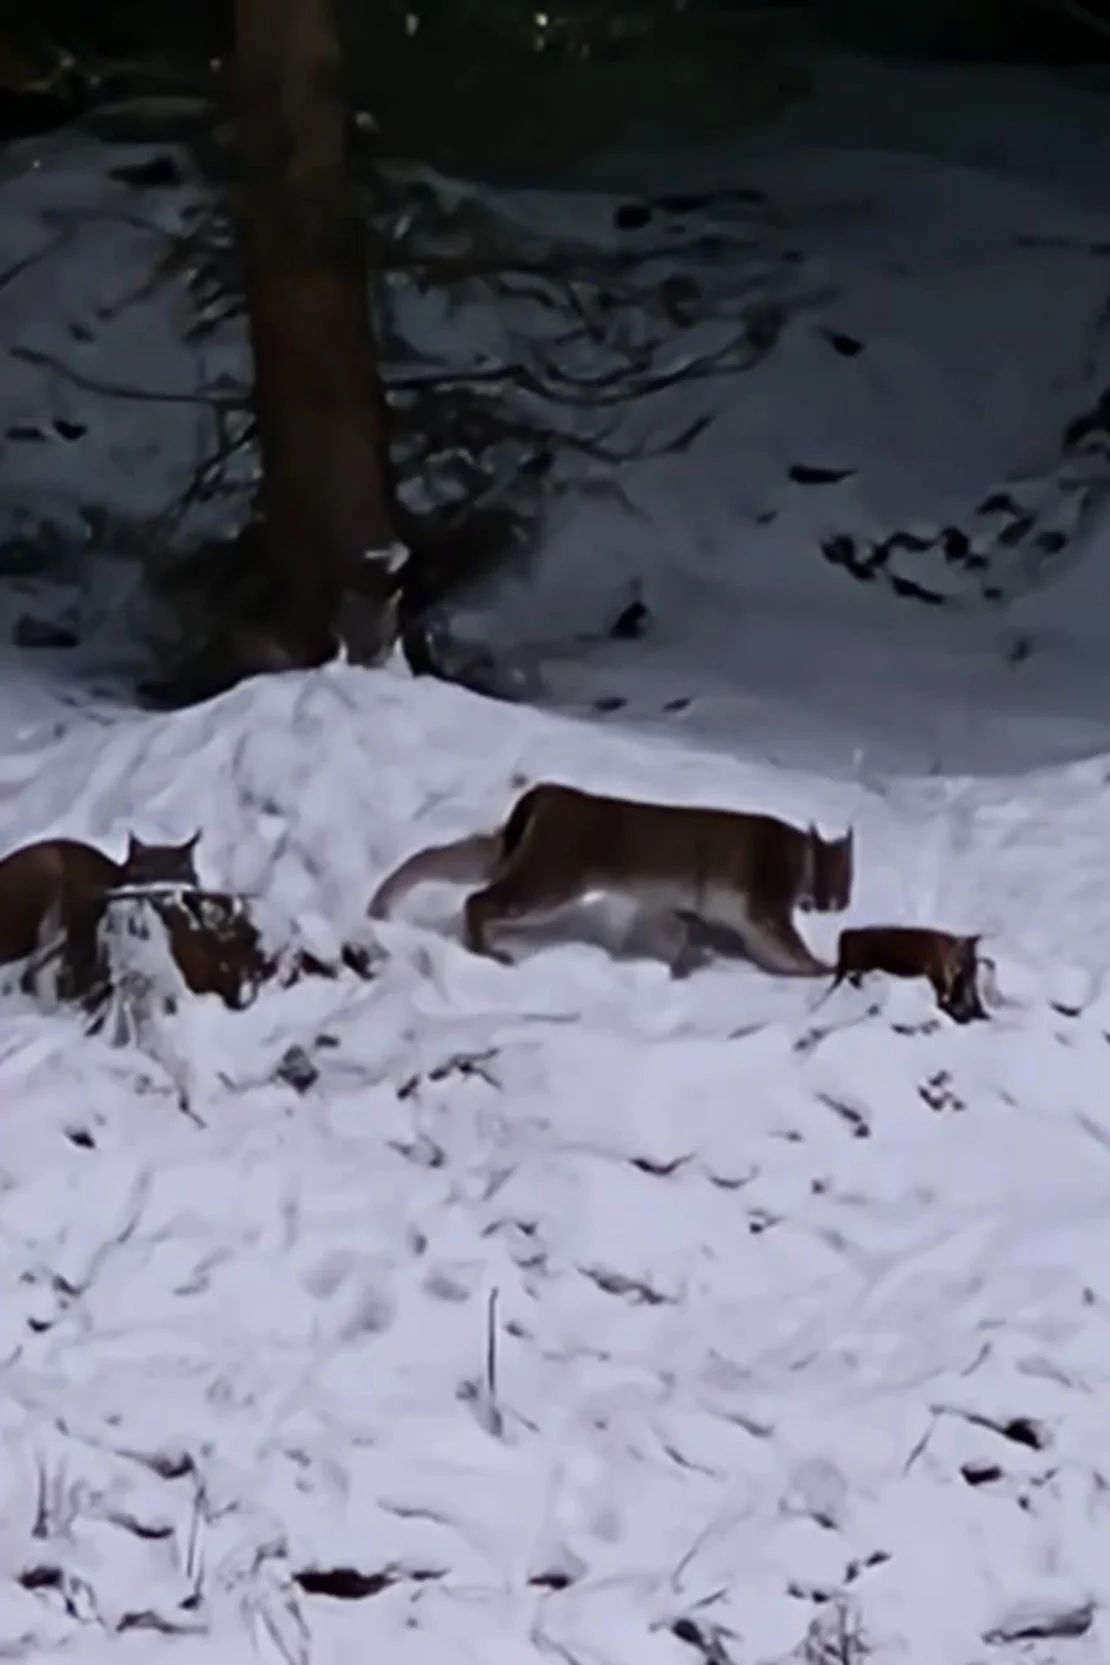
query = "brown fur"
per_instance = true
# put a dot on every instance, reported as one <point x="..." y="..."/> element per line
<point x="218" y="950"/>
<point x="684" y="868"/>
<point x="949" y="962"/>
<point x="214" y="946"/>
<point x="58" y="887"/>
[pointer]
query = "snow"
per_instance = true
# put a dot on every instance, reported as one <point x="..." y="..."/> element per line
<point x="570" y="1311"/>
<point x="765" y="1285"/>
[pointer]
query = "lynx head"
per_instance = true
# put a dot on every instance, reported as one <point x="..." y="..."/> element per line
<point x="368" y="618"/>
<point x="160" y="864"/>
<point x="959" y="993"/>
<point x="827" y="875"/>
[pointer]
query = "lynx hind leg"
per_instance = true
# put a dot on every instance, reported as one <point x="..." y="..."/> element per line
<point x="481" y="916"/>
<point x="692" y="951"/>
<point x="692" y="956"/>
<point x="522" y="889"/>
<point x="514" y="898"/>
<point x="775" y="946"/>
<point x="671" y="937"/>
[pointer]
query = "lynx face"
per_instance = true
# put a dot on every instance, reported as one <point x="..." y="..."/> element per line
<point x="831" y="869"/>
<point x="160" y="864"/>
<point x="960" y="996"/>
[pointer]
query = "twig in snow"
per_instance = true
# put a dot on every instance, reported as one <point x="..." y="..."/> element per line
<point x="722" y="1522"/>
<point x="482" y="1396"/>
<point x="467" y="1064"/>
<point x="835" y="1638"/>
<point x="707" y="1642"/>
<point x="543" y="1643"/>
<point x="282" y="1619"/>
<point x="41" y="1525"/>
<point x="491" y="1347"/>
<point x="918" y="1448"/>
<point x="493" y="1419"/>
<point x="193" y="1559"/>
<point x="18" y="267"/>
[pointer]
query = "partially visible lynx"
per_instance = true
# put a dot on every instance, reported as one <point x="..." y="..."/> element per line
<point x="162" y="865"/>
<point x="684" y="868"/>
<point x="950" y="963"/>
<point x="55" y="892"/>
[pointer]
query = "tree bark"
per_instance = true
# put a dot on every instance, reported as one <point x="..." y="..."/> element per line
<point x="326" y="494"/>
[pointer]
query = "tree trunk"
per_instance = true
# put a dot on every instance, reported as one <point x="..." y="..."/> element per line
<point x="321" y="414"/>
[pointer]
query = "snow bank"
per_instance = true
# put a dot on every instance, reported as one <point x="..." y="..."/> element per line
<point x="795" y="1322"/>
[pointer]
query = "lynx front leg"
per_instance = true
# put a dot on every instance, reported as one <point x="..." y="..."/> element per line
<point x="670" y="937"/>
<point x="514" y="898"/>
<point x="692" y="956"/>
<point x="482" y="912"/>
<point x="775" y="946"/>
<point x="767" y="933"/>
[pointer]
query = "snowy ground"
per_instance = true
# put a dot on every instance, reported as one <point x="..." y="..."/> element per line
<point x="798" y="1319"/>
<point x="789" y="1316"/>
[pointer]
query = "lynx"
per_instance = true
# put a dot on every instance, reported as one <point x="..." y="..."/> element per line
<point x="949" y="962"/>
<point x="58" y="887"/>
<point x="688" y="871"/>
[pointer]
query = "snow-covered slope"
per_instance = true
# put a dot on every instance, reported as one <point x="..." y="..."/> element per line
<point x="797" y="1321"/>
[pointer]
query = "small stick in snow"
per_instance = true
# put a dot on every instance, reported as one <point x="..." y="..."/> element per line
<point x="41" y="1526"/>
<point x="497" y="1424"/>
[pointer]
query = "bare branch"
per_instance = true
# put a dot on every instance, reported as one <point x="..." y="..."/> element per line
<point x="110" y="390"/>
<point x="18" y="267"/>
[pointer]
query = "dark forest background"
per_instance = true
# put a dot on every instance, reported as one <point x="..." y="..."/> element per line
<point x="498" y="89"/>
<point x="506" y="85"/>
